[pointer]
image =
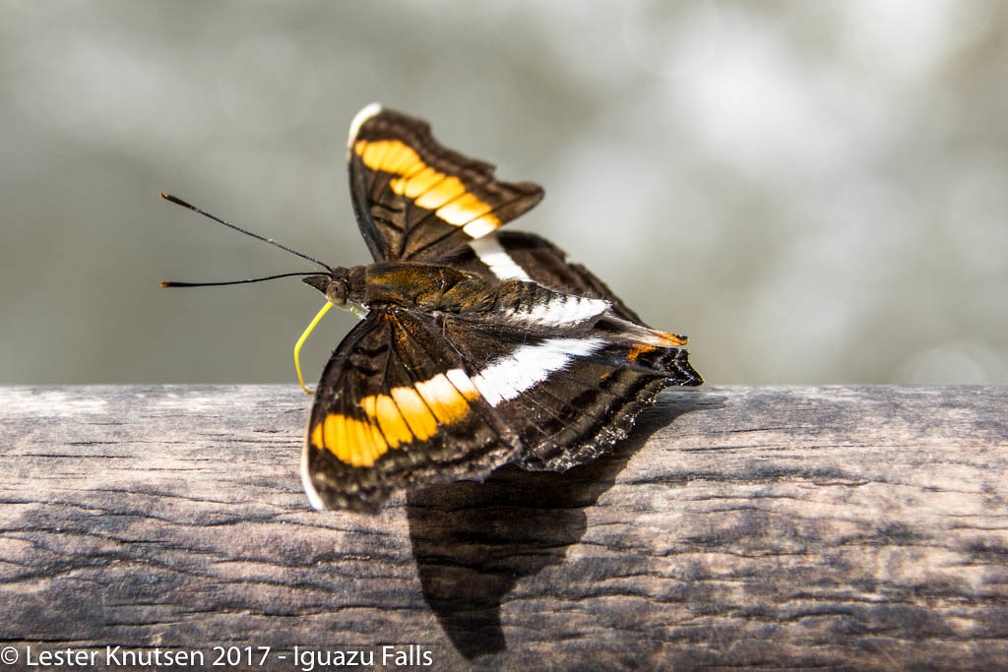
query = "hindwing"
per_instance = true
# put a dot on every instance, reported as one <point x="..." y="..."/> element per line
<point x="410" y="400"/>
<point x="570" y="395"/>
<point x="517" y="255"/>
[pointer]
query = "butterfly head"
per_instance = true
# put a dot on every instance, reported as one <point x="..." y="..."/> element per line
<point x="335" y="285"/>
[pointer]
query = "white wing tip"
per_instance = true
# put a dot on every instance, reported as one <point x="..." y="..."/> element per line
<point x="313" y="496"/>
<point x="366" y="113"/>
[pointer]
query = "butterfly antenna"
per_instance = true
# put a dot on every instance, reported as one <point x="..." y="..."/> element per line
<point x="173" y="283"/>
<point x="190" y="206"/>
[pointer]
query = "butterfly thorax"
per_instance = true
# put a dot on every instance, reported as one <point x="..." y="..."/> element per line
<point x="438" y="288"/>
<point x="407" y="285"/>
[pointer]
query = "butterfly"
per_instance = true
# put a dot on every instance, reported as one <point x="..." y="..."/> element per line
<point x="480" y="347"/>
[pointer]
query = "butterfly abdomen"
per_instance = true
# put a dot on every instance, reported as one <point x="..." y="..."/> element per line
<point x="528" y="304"/>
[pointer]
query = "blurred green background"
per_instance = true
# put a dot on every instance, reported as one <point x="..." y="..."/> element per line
<point x="815" y="192"/>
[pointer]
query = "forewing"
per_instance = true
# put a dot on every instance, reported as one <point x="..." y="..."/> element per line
<point x="395" y="409"/>
<point x="416" y="200"/>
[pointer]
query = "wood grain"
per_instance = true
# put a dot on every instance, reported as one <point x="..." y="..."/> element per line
<point x="839" y="527"/>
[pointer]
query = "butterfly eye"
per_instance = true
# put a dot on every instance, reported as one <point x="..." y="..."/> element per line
<point x="334" y="287"/>
<point x="336" y="291"/>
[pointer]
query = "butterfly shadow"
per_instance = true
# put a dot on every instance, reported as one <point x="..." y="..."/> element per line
<point x="474" y="541"/>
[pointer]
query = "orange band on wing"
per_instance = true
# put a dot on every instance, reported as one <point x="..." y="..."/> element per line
<point x="640" y="349"/>
<point x="427" y="187"/>
<point x="406" y="414"/>
<point x="671" y="340"/>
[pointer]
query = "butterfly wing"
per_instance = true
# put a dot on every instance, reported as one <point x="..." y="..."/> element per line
<point x="569" y="391"/>
<point x="516" y="255"/>
<point x="410" y="400"/>
<point x="396" y="409"/>
<point x="416" y="200"/>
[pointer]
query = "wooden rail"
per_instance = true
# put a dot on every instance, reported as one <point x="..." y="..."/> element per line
<point x="807" y="527"/>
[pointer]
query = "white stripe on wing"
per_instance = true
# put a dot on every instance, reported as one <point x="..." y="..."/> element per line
<point x="508" y="376"/>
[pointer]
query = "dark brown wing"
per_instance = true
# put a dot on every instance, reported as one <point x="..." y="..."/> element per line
<point x="409" y="400"/>
<point x="570" y="389"/>
<point x="416" y="200"/>
<point x="568" y="396"/>
<point x="395" y="409"/>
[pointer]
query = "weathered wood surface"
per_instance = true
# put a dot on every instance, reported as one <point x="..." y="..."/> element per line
<point x="857" y="527"/>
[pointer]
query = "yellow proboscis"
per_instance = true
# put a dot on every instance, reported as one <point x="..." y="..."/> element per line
<point x="300" y="342"/>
